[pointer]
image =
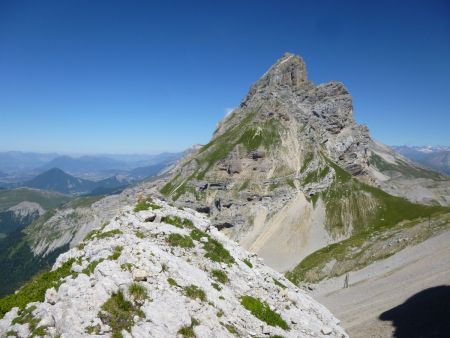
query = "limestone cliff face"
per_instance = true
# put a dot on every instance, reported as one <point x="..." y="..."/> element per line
<point x="289" y="171"/>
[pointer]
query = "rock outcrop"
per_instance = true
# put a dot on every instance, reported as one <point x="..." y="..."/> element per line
<point x="173" y="276"/>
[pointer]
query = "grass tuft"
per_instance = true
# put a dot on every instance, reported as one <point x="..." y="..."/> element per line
<point x="177" y="221"/>
<point x="137" y="292"/>
<point x="118" y="313"/>
<point x="91" y="267"/>
<point x="127" y="266"/>
<point x="188" y="331"/>
<point x="248" y="263"/>
<point x="172" y="282"/>
<point x="277" y="283"/>
<point x="139" y="234"/>
<point x="220" y="276"/>
<point x="116" y="253"/>
<point x="180" y="240"/>
<point x="194" y="292"/>
<point x="262" y="311"/>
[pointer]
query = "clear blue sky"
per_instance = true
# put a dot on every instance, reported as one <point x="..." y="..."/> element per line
<point x="141" y="77"/>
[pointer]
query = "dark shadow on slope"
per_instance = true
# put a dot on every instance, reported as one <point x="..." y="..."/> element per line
<point x="424" y="315"/>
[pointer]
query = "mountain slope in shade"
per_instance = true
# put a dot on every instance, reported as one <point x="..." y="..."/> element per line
<point x="57" y="180"/>
<point x="290" y="171"/>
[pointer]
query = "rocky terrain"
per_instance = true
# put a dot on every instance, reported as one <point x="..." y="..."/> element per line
<point x="289" y="175"/>
<point x="290" y="171"/>
<point x="155" y="270"/>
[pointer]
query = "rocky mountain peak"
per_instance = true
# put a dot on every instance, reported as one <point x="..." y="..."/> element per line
<point x="286" y="75"/>
<point x="291" y="158"/>
<point x="289" y="70"/>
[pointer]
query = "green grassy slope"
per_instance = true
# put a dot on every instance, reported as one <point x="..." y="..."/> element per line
<point x="365" y="212"/>
<point x="249" y="134"/>
<point x="405" y="169"/>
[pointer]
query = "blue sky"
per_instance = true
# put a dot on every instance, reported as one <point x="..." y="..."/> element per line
<point x="142" y="77"/>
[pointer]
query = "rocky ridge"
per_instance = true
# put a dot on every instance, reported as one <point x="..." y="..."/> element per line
<point x="27" y="209"/>
<point x="158" y="271"/>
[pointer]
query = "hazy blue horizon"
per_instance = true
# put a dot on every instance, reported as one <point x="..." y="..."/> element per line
<point x="140" y="78"/>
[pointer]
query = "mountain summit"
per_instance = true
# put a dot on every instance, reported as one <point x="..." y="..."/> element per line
<point x="289" y="70"/>
<point x="290" y="171"/>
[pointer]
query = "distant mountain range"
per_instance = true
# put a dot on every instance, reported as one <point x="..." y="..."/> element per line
<point x="16" y="167"/>
<point x="57" y="180"/>
<point x="434" y="157"/>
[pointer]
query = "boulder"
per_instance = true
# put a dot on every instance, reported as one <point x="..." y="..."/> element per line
<point x="51" y="296"/>
<point x="140" y="275"/>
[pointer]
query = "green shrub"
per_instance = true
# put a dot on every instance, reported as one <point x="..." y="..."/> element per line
<point x="119" y="314"/>
<point x="34" y="290"/>
<point x="94" y="233"/>
<point x="116" y="253"/>
<point x="155" y="206"/>
<point x="247" y="262"/>
<point x="230" y="328"/>
<point x="110" y="233"/>
<point x="25" y="316"/>
<point x="138" y="292"/>
<point x="93" y="329"/>
<point x="91" y="267"/>
<point x="216" y="286"/>
<point x="101" y="235"/>
<point x="164" y="267"/>
<point x="177" y="221"/>
<point x="198" y="234"/>
<point x="172" y="281"/>
<point x="262" y="311"/>
<point x="214" y="249"/>
<point x="216" y="252"/>
<point x="220" y="276"/>
<point x="141" y="206"/>
<point x="188" y="331"/>
<point x="127" y="266"/>
<point x="279" y="284"/>
<point x="139" y="234"/>
<point x="180" y="240"/>
<point x="194" y="292"/>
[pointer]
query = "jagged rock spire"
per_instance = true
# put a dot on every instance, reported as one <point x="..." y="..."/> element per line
<point x="289" y="70"/>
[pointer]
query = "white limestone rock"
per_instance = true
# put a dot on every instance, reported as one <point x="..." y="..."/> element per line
<point x="167" y="273"/>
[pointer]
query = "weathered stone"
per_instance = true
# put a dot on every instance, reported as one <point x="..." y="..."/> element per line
<point x="326" y="330"/>
<point x="51" y="296"/>
<point x="140" y="275"/>
<point x="235" y="167"/>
